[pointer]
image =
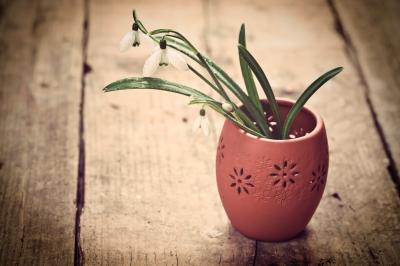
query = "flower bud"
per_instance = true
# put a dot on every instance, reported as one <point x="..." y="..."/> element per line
<point x="227" y="107"/>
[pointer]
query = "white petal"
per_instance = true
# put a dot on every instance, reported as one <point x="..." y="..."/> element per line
<point x="177" y="60"/>
<point x="126" y="41"/>
<point x="156" y="47"/>
<point x="205" y="126"/>
<point x="164" y="58"/>
<point x="147" y="40"/>
<point x="197" y="123"/>
<point x="151" y="64"/>
<point x="136" y="37"/>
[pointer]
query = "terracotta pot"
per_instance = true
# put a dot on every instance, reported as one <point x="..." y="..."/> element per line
<point x="270" y="189"/>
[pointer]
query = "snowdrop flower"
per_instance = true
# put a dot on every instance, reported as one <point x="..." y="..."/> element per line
<point x="227" y="107"/>
<point x="162" y="56"/>
<point x="131" y="38"/>
<point x="202" y="122"/>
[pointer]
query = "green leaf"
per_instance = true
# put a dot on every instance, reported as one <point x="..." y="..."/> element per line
<point x="212" y="74"/>
<point x="305" y="96"/>
<point x="240" y="113"/>
<point x="257" y="70"/>
<point x="153" y="83"/>
<point x="227" y="81"/>
<point x="246" y="73"/>
<point x="238" y="92"/>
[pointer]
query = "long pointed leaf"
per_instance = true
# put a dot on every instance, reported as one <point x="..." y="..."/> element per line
<point x="257" y="70"/>
<point x="222" y="76"/>
<point x="238" y="92"/>
<point x="153" y="83"/>
<point x="246" y="73"/>
<point x="305" y="96"/>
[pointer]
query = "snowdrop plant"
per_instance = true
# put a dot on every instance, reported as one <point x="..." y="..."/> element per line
<point x="202" y="122"/>
<point x="174" y="48"/>
<point x="162" y="56"/>
<point x="130" y="39"/>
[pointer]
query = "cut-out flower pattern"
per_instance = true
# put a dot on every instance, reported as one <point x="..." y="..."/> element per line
<point x="220" y="150"/>
<point x="284" y="173"/>
<point x="241" y="181"/>
<point x="318" y="178"/>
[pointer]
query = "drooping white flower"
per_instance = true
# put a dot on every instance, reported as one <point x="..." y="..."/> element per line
<point x="202" y="122"/>
<point x="227" y="107"/>
<point x="131" y="38"/>
<point x="162" y="56"/>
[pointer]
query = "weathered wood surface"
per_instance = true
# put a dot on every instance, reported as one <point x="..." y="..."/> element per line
<point x="151" y="195"/>
<point x="295" y="43"/>
<point x="150" y="190"/>
<point x="40" y="70"/>
<point x="371" y="27"/>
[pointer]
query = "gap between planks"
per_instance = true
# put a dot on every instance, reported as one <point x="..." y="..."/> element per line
<point x="80" y="191"/>
<point x="350" y="50"/>
<point x="353" y="58"/>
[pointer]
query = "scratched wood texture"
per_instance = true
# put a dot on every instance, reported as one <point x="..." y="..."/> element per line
<point x="147" y="176"/>
<point x="140" y="216"/>
<point x="40" y="73"/>
<point x="371" y="28"/>
<point x="150" y="195"/>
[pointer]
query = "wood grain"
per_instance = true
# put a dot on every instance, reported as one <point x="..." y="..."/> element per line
<point x="357" y="221"/>
<point x="151" y="195"/>
<point x="40" y="67"/>
<point x="371" y="26"/>
<point x="150" y="190"/>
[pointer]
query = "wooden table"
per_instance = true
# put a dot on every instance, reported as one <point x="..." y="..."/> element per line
<point x="119" y="179"/>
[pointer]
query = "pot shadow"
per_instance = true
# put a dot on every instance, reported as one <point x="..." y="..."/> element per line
<point x="295" y="251"/>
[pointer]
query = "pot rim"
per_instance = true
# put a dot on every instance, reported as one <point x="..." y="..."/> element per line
<point x="286" y="101"/>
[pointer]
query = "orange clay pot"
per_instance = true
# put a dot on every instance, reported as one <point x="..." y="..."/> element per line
<point x="269" y="188"/>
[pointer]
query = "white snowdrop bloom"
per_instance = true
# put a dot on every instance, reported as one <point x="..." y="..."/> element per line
<point x="227" y="107"/>
<point x="162" y="56"/>
<point x="131" y="38"/>
<point x="202" y="122"/>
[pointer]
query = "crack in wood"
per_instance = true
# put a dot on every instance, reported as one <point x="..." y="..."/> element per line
<point x="80" y="193"/>
<point x="255" y="253"/>
<point x="353" y="57"/>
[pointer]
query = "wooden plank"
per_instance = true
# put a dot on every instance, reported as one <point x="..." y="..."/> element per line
<point x="357" y="222"/>
<point x="40" y="67"/>
<point x="151" y="195"/>
<point x="372" y="25"/>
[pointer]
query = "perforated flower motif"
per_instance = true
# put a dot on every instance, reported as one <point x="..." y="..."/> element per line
<point x="318" y="178"/>
<point x="220" y="150"/>
<point x="241" y="181"/>
<point x="284" y="174"/>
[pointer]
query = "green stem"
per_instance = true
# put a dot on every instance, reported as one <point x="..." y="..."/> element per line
<point x="210" y="66"/>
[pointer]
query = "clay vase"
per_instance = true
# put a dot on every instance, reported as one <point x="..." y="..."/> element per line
<point x="269" y="188"/>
